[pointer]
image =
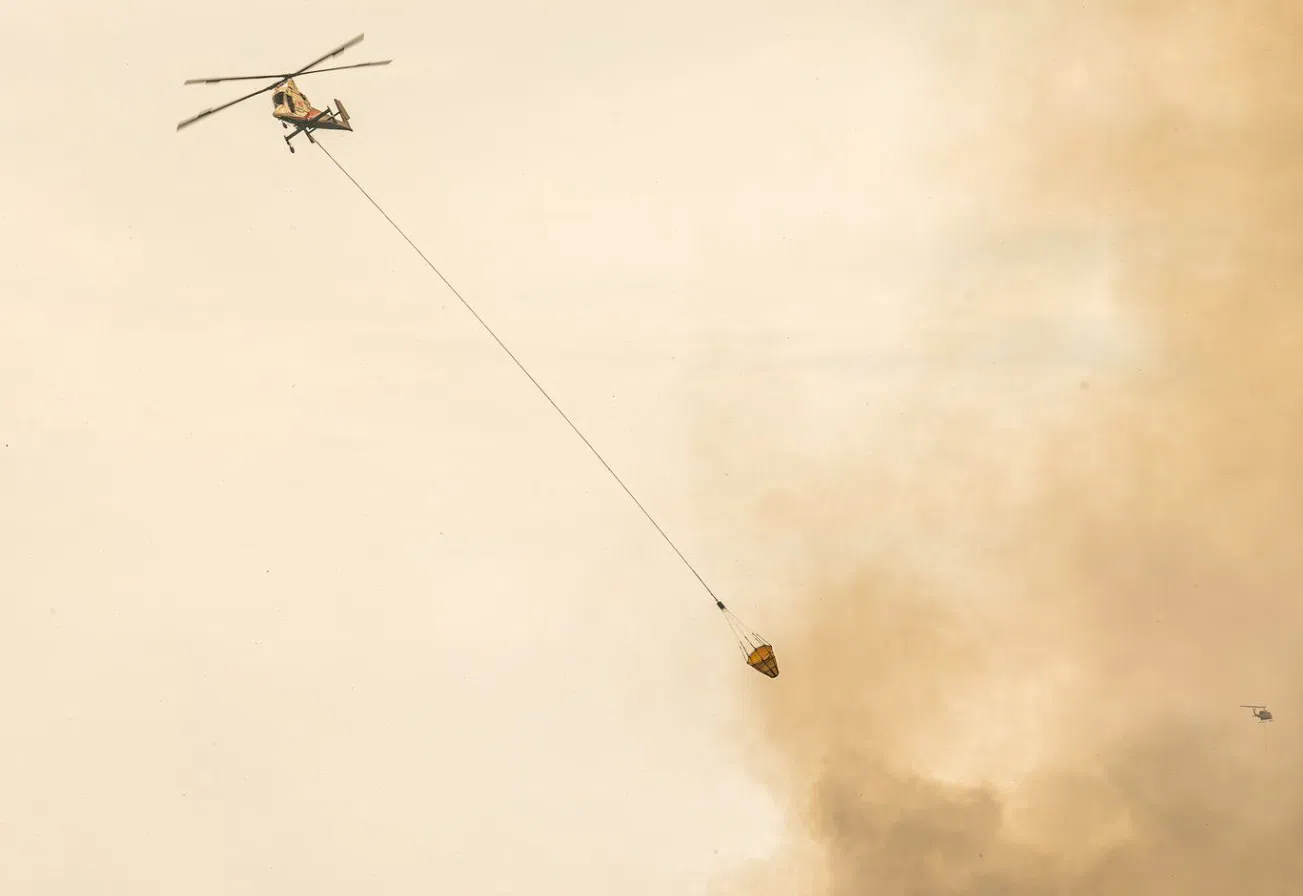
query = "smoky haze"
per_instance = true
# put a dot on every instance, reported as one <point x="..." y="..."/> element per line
<point x="1018" y="623"/>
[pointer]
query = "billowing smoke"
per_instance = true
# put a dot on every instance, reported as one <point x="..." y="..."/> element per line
<point x="1017" y="638"/>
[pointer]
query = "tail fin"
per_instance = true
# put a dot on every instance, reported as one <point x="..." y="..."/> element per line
<point x="343" y="113"/>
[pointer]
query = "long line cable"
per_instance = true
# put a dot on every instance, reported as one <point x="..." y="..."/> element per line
<point x="525" y="371"/>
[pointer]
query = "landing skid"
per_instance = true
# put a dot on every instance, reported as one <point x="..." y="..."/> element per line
<point x="305" y="132"/>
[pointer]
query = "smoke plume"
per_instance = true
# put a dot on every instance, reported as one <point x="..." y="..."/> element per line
<point x="1015" y="640"/>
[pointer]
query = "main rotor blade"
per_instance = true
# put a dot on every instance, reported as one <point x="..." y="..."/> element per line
<point x="207" y="112"/>
<point x="331" y="55"/>
<point x="235" y="78"/>
<point x="286" y="75"/>
<point x="340" y="68"/>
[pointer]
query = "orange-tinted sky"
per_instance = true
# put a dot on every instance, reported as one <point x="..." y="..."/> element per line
<point x="952" y="347"/>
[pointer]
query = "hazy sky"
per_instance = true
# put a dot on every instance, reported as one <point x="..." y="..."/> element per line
<point x="305" y="589"/>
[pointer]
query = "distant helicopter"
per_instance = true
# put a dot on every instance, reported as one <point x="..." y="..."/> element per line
<point x="291" y="107"/>
<point x="1260" y="712"/>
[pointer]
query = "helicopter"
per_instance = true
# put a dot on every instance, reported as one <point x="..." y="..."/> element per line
<point x="1260" y="712"/>
<point x="290" y="106"/>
